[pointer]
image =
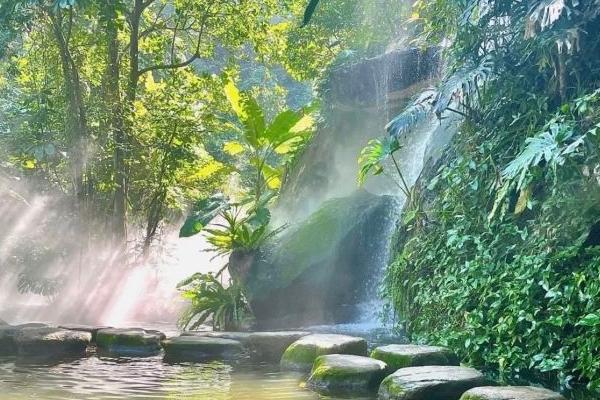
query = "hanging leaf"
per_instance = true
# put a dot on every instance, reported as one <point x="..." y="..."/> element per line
<point x="418" y="111"/>
<point x="309" y="11"/>
<point x="204" y="212"/>
<point x="233" y="148"/>
<point x="375" y="153"/>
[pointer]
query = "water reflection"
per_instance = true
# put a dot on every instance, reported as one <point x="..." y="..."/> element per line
<point x="97" y="378"/>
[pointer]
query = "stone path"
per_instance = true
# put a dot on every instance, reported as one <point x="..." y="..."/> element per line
<point x="334" y="364"/>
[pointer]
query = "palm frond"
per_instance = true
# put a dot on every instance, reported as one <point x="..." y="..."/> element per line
<point x="544" y="13"/>
<point x="418" y="111"/>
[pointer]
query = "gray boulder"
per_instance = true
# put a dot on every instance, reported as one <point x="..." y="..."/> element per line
<point x="270" y="346"/>
<point x="8" y="345"/>
<point x="338" y="374"/>
<point x="133" y="342"/>
<point x="238" y="336"/>
<point x="430" y="383"/>
<point x="195" y="348"/>
<point x="93" y="330"/>
<point x="300" y="355"/>
<point x="398" y="356"/>
<point x="511" y="393"/>
<point x="49" y="342"/>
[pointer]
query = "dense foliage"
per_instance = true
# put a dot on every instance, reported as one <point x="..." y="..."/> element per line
<point x="501" y="262"/>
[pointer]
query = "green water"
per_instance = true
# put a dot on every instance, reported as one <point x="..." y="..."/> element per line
<point x="99" y="378"/>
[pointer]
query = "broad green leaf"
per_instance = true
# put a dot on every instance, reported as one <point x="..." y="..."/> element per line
<point x="204" y="212"/>
<point x="281" y="125"/>
<point x="272" y="176"/>
<point x="254" y="120"/>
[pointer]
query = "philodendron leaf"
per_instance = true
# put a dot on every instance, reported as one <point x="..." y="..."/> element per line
<point x="204" y="212"/>
<point x="590" y="320"/>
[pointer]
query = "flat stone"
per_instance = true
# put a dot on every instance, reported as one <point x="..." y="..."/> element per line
<point x="511" y="393"/>
<point x="133" y="341"/>
<point x="270" y="346"/>
<point x="338" y="374"/>
<point x="196" y="348"/>
<point x="93" y="330"/>
<point x="8" y="345"/>
<point x="49" y="342"/>
<point x="398" y="356"/>
<point x="301" y="354"/>
<point x="430" y="383"/>
<point x="238" y="336"/>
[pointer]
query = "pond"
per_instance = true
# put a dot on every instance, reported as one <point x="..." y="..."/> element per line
<point x="101" y="378"/>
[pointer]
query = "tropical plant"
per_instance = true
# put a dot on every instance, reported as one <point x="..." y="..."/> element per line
<point x="225" y="306"/>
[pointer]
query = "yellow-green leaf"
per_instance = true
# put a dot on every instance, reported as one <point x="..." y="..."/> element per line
<point x="235" y="99"/>
<point x="233" y="148"/>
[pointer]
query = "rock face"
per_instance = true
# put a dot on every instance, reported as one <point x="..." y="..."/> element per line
<point x="511" y="393"/>
<point x="301" y="354"/>
<point x="196" y="348"/>
<point x="51" y="342"/>
<point x="270" y="346"/>
<point x="398" y="356"/>
<point x="315" y="268"/>
<point x="3" y="322"/>
<point x="135" y="341"/>
<point x="430" y="383"/>
<point x="93" y="330"/>
<point x="338" y="374"/>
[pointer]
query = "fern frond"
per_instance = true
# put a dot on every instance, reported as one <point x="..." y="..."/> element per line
<point x="462" y="82"/>
<point x="418" y="111"/>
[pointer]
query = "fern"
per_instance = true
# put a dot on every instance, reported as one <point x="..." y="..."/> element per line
<point x="418" y="111"/>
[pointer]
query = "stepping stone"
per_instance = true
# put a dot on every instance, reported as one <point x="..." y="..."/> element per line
<point x="196" y="348"/>
<point x="132" y="342"/>
<point x="430" y="383"/>
<point x="511" y="393"/>
<point x="84" y="328"/>
<point x="270" y="346"/>
<point x="50" y="343"/>
<point x="301" y="354"/>
<point x="398" y="356"/>
<point x="8" y="345"/>
<point x="239" y="336"/>
<point x="338" y="374"/>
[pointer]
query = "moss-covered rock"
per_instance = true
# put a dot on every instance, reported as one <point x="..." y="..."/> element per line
<point x="196" y="348"/>
<point x="305" y="275"/>
<point x="300" y="355"/>
<point x="511" y="393"/>
<point x="338" y="374"/>
<point x="135" y="341"/>
<point x="52" y="343"/>
<point x="270" y="346"/>
<point x="430" y="383"/>
<point x="398" y="356"/>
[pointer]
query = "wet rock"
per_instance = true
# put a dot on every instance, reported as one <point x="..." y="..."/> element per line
<point x="134" y="341"/>
<point x="93" y="330"/>
<point x="300" y="355"/>
<point x="310" y="271"/>
<point x="511" y="393"/>
<point x="430" y="383"/>
<point x="3" y="322"/>
<point x="398" y="356"/>
<point x="8" y="345"/>
<point x="49" y="342"/>
<point x="270" y="346"/>
<point x="197" y="348"/>
<point x="238" y="336"/>
<point x="338" y="374"/>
